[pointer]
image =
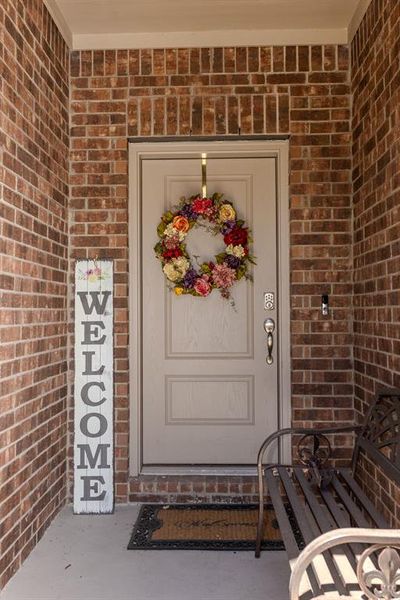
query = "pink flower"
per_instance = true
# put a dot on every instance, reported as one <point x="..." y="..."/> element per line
<point x="211" y="213"/>
<point x="171" y="242"/>
<point x="223" y="276"/>
<point x="201" y="205"/>
<point x="202" y="286"/>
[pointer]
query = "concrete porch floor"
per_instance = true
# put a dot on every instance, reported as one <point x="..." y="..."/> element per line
<point x="85" y="558"/>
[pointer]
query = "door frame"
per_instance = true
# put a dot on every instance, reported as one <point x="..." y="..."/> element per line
<point x="257" y="146"/>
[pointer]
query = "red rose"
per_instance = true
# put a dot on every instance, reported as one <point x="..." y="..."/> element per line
<point x="237" y="236"/>
<point x="201" y="205"/>
<point x="173" y="253"/>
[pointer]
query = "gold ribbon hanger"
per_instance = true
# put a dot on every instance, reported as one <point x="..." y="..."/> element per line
<point x="204" y="175"/>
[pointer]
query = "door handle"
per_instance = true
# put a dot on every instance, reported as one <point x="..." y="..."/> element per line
<point x="269" y="328"/>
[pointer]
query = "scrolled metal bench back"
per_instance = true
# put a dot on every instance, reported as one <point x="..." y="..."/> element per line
<point x="380" y="436"/>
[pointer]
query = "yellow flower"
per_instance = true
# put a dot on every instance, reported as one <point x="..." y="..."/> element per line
<point x="175" y="270"/>
<point x="237" y="251"/>
<point x="92" y="278"/>
<point x="178" y="291"/>
<point x="227" y="213"/>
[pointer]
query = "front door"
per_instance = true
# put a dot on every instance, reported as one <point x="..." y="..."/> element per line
<point x="208" y="396"/>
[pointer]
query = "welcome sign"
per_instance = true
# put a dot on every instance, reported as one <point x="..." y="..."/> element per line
<point x="93" y="393"/>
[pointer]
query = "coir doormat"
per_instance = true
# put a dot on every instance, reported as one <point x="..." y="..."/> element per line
<point x="203" y="527"/>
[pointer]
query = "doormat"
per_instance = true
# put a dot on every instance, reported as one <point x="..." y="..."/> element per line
<point x="203" y="527"/>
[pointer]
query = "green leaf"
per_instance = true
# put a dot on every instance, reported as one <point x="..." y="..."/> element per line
<point x="241" y="272"/>
<point x="167" y="217"/>
<point x="220" y="258"/>
<point x="161" y="229"/>
<point x="158" y="248"/>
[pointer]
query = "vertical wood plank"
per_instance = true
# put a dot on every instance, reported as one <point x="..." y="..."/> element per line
<point x="93" y="392"/>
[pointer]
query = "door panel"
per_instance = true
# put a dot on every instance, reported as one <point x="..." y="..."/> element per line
<point x="208" y="396"/>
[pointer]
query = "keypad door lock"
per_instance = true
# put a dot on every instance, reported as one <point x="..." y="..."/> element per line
<point x="269" y="301"/>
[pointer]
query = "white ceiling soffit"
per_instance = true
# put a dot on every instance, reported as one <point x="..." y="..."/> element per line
<point x="101" y="24"/>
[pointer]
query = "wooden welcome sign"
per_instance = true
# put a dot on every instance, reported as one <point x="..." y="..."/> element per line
<point x="93" y="446"/>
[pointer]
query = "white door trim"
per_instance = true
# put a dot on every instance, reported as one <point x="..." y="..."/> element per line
<point x="278" y="149"/>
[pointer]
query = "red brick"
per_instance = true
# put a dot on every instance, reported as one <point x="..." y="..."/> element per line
<point x="214" y="109"/>
<point x="157" y="92"/>
<point x="34" y="202"/>
<point x="376" y="205"/>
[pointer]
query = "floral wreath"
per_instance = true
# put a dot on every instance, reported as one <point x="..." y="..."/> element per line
<point x="219" y="217"/>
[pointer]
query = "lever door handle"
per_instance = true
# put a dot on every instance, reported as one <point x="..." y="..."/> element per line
<point x="269" y="328"/>
<point x="270" y="345"/>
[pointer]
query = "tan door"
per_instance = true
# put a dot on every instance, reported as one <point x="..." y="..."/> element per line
<point x="208" y="395"/>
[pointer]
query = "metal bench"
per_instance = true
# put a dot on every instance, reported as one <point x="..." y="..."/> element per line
<point x="344" y="547"/>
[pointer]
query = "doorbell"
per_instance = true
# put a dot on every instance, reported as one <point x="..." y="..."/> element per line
<point x="325" y="305"/>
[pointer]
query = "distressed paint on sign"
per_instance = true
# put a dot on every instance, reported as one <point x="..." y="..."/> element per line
<point x="93" y="444"/>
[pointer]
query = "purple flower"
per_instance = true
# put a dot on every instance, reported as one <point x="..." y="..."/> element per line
<point x="232" y="261"/>
<point x="190" y="278"/>
<point x="227" y="227"/>
<point x="187" y="211"/>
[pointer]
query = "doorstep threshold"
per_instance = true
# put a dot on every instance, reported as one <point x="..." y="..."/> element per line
<point x="199" y="470"/>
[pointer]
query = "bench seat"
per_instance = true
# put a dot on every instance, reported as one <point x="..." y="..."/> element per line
<point x="318" y="510"/>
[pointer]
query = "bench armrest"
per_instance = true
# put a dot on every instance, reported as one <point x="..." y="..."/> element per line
<point x="301" y="431"/>
<point x="377" y="538"/>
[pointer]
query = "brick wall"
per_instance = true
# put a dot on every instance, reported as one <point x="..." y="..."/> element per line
<point x="304" y="91"/>
<point x="33" y="281"/>
<point x="376" y="147"/>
